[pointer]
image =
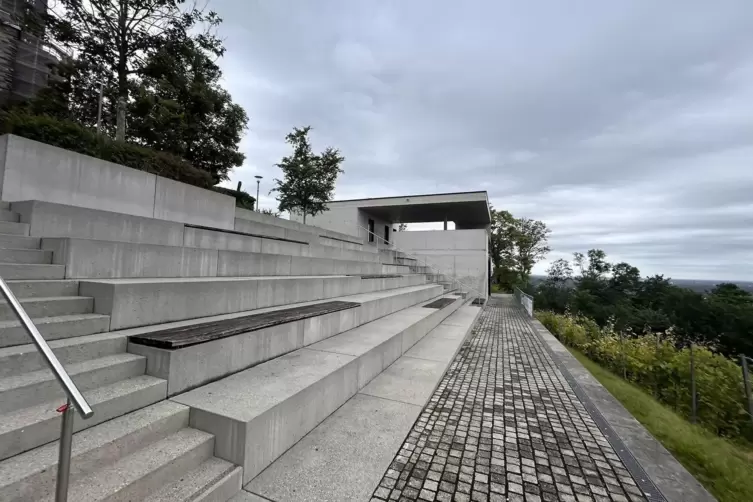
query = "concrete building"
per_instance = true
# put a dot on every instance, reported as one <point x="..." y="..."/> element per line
<point x="461" y="253"/>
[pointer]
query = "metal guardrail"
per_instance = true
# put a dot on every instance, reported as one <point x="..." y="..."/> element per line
<point x="75" y="402"/>
<point x="525" y="300"/>
<point x="435" y="271"/>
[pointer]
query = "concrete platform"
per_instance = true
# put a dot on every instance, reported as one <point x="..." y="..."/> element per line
<point x="141" y="302"/>
<point x="257" y="414"/>
<point x="190" y="367"/>
<point x="346" y="455"/>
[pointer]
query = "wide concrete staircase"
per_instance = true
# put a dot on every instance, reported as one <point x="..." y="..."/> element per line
<point x="205" y="353"/>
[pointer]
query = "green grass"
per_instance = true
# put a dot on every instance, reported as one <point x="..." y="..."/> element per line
<point x="723" y="467"/>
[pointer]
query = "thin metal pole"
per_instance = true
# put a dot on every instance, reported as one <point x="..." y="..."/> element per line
<point x="99" y="106"/>
<point x="257" y="194"/>
<point x="692" y="385"/>
<point x="746" y="383"/>
<point x="64" y="454"/>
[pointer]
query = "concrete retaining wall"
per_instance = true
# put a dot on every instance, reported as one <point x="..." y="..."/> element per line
<point x="459" y="253"/>
<point x="36" y="171"/>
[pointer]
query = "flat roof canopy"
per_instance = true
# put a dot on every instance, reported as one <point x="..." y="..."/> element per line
<point x="466" y="209"/>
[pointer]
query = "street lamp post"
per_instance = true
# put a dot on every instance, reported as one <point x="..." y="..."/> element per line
<point x="258" y="180"/>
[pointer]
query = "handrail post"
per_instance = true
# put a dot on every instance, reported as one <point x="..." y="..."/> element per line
<point x="64" y="454"/>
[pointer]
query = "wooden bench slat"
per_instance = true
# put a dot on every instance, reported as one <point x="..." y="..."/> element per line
<point x="186" y="336"/>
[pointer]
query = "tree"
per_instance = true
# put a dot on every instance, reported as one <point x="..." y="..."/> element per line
<point x="179" y="107"/>
<point x="117" y="37"/>
<point x="531" y="243"/>
<point x="309" y="179"/>
<point x="402" y="227"/>
<point x="516" y="245"/>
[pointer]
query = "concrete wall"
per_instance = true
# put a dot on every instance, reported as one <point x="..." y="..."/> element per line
<point x="245" y="214"/>
<point x="47" y="219"/>
<point x="459" y="253"/>
<point x="343" y="219"/>
<point x="36" y="171"/>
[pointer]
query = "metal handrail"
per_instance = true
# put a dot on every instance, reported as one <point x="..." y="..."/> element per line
<point x="435" y="271"/>
<point x="75" y="402"/>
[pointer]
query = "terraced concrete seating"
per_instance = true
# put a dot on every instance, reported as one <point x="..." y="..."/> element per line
<point x="187" y="367"/>
<point x="257" y="414"/>
<point x="140" y="276"/>
<point x="140" y="302"/>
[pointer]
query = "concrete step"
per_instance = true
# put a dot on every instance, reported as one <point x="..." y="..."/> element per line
<point x="30" y="476"/>
<point x="380" y="416"/>
<point x="25" y="256"/>
<point x="19" y="242"/>
<point x="143" y="472"/>
<point x="9" y="271"/>
<point x="54" y="328"/>
<point x="213" y="480"/>
<point x="37" y="425"/>
<point x="35" y="387"/>
<point x="141" y="302"/>
<point x="97" y="259"/>
<point x="49" y="306"/>
<point x="6" y="215"/>
<point x="188" y="367"/>
<point x="13" y="228"/>
<point x="35" y="288"/>
<point x="25" y="358"/>
<point x="257" y="414"/>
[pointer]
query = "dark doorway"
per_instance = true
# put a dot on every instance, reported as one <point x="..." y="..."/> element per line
<point x="371" y="230"/>
<point x="387" y="234"/>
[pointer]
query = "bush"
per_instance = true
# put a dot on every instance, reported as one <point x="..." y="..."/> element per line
<point x="242" y="199"/>
<point x="74" y="137"/>
<point x="656" y="363"/>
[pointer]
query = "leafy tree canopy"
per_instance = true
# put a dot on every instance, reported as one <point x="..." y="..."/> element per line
<point x="308" y="179"/>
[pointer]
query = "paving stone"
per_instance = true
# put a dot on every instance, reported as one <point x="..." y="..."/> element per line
<point x="504" y="424"/>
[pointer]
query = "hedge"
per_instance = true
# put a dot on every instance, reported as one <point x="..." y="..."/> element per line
<point x="656" y="363"/>
<point x="72" y="136"/>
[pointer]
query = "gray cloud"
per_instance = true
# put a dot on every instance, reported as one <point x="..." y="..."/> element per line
<point x="623" y="125"/>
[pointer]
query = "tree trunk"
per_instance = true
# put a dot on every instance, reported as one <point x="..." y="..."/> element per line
<point x="120" y="118"/>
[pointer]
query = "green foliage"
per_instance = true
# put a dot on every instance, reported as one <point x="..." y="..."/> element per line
<point x="242" y="199"/>
<point x="71" y="136"/>
<point x="117" y="39"/>
<point x="179" y="107"/>
<point x="309" y="179"/>
<point x="515" y="246"/>
<point x="724" y="467"/>
<point x="722" y="318"/>
<point x="659" y="364"/>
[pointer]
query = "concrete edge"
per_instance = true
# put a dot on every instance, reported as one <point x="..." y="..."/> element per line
<point x="656" y="472"/>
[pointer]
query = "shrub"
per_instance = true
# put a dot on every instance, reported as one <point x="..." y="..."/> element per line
<point x="72" y="136"/>
<point x="242" y="199"/>
<point x="656" y="363"/>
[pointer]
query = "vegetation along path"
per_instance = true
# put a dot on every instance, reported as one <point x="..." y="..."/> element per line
<point x="506" y="424"/>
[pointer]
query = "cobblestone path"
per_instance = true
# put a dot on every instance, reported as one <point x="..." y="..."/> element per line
<point x="504" y="425"/>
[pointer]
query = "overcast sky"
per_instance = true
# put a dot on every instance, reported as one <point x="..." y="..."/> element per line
<point x="623" y="125"/>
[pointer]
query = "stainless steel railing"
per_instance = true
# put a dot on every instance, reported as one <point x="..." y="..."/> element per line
<point x="525" y="300"/>
<point x="424" y="263"/>
<point x="75" y="402"/>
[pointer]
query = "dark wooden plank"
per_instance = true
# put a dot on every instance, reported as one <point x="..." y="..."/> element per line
<point x="375" y="276"/>
<point x="439" y="304"/>
<point x="186" y="336"/>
